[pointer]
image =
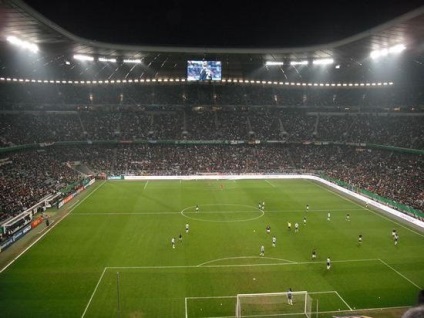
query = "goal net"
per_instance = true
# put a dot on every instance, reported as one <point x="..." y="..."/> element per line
<point x="274" y="305"/>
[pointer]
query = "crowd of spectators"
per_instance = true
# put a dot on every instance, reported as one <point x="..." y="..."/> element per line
<point x="19" y="96"/>
<point x="291" y="118"/>
<point x="402" y="130"/>
<point x="31" y="174"/>
<point x="26" y="177"/>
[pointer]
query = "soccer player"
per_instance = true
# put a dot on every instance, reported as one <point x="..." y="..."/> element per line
<point x="328" y="263"/>
<point x="348" y="217"/>
<point x="180" y="238"/>
<point x="268" y="229"/>
<point x="262" y="251"/>
<point x="187" y="227"/>
<point x="307" y="207"/>
<point x="274" y="241"/>
<point x="173" y="242"/>
<point x="314" y="255"/>
<point x="304" y="220"/>
<point x="290" y="297"/>
<point x="296" y="227"/>
<point x="289" y="226"/>
<point x="360" y="239"/>
<point x="328" y="216"/>
<point x="394" y="233"/>
<point x="396" y="238"/>
<point x="260" y="206"/>
<point x="263" y="205"/>
<point x="197" y="208"/>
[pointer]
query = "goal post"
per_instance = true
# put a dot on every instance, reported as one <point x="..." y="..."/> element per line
<point x="274" y="304"/>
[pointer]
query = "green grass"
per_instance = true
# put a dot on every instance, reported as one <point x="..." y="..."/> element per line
<point x="112" y="255"/>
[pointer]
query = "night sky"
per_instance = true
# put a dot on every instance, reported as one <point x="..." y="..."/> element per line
<point x="248" y="24"/>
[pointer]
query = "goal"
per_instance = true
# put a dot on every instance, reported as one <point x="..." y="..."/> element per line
<point x="274" y="304"/>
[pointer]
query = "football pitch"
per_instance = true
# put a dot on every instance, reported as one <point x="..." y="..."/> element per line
<point x="112" y="256"/>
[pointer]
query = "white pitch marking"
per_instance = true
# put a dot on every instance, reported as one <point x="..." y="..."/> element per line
<point x="378" y="214"/>
<point x="245" y="257"/>
<point x="239" y="265"/>
<point x="94" y="291"/>
<point x="50" y="227"/>
<point x="400" y="274"/>
<point x="343" y="300"/>
<point x="272" y="185"/>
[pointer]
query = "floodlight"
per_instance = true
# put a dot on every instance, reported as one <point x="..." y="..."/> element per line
<point x="24" y="44"/>
<point x="293" y="63"/>
<point x="386" y="51"/>
<point x="132" y="61"/>
<point x="104" y="59"/>
<point x="273" y="63"/>
<point x="323" y="61"/>
<point x="82" y="57"/>
<point x="397" y="48"/>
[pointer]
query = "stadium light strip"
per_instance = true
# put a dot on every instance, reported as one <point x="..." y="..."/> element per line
<point x="82" y="57"/>
<point x="273" y="63"/>
<point x="23" y="44"/>
<point x="304" y="62"/>
<point x="132" y="61"/>
<point x="323" y="61"/>
<point x="104" y="59"/>
<point x="182" y="80"/>
<point x="386" y="51"/>
<point x="294" y="63"/>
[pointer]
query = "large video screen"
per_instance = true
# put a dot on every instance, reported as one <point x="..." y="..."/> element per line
<point x="204" y="70"/>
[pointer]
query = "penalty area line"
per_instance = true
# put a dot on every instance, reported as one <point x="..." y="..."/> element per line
<point x="400" y="274"/>
<point x="94" y="292"/>
<point x="350" y="308"/>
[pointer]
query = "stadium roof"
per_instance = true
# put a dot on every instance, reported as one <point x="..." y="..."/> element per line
<point x="58" y="46"/>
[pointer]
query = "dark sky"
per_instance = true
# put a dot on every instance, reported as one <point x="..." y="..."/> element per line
<point x="249" y="24"/>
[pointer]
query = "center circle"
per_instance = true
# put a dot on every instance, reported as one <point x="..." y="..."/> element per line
<point x="222" y="213"/>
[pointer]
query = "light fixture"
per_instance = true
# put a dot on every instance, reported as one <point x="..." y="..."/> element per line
<point x="273" y="63"/>
<point x="104" y="59"/>
<point x="386" y="51"/>
<point x="82" y="57"/>
<point x="294" y="63"/>
<point x="132" y="61"/>
<point x="23" y="44"/>
<point x="323" y="61"/>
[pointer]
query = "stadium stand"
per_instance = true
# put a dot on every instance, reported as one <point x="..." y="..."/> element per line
<point x="49" y="128"/>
